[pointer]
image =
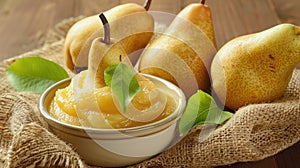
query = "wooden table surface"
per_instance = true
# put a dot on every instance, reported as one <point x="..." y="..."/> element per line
<point x="24" y="23"/>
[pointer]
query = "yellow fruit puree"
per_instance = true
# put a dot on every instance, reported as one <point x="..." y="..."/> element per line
<point x="63" y="107"/>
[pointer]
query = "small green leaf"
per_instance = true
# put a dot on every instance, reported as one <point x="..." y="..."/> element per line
<point x="34" y="74"/>
<point x="108" y="74"/>
<point x="121" y="78"/>
<point x="201" y="109"/>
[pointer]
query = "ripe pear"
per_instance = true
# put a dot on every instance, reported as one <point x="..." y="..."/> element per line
<point x="149" y="102"/>
<point x="256" y="68"/>
<point x="183" y="53"/>
<point x="105" y="51"/>
<point x="101" y="56"/>
<point x="80" y="36"/>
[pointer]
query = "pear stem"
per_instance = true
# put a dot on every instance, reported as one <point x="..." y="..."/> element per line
<point x="147" y="4"/>
<point x="105" y="23"/>
<point x="202" y="2"/>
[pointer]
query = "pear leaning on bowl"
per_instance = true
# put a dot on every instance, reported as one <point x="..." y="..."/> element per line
<point x="256" y="68"/>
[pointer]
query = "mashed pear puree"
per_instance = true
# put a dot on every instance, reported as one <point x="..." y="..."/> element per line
<point x="63" y="106"/>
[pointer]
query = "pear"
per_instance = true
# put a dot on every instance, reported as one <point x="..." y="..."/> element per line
<point x="183" y="53"/>
<point x="256" y="68"/>
<point x="105" y="51"/>
<point x="149" y="103"/>
<point x="80" y="36"/>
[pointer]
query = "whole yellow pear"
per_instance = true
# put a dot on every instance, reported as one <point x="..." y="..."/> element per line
<point x="183" y="53"/>
<point x="256" y="68"/>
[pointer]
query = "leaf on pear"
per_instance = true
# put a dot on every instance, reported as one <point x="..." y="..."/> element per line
<point x="121" y="78"/>
<point x="108" y="74"/>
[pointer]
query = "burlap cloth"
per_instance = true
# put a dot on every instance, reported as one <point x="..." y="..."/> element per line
<point x="253" y="133"/>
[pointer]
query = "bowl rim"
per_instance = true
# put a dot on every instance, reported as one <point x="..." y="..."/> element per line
<point x="171" y="118"/>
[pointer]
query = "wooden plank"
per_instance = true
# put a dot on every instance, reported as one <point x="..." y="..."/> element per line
<point x="22" y="29"/>
<point x="62" y="10"/>
<point x="288" y="11"/>
<point x="289" y="157"/>
<point x="169" y="6"/>
<point x="269" y="162"/>
<point x="187" y="2"/>
<point x="234" y="18"/>
<point x="29" y="26"/>
<point x="91" y="7"/>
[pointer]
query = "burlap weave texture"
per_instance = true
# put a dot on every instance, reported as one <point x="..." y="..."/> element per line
<point x="253" y="133"/>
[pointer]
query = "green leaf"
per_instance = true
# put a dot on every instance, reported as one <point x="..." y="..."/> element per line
<point x="121" y="78"/>
<point x="108" y="74"/>
<point x="201" y="109"/>
<point x="34" y="74"/>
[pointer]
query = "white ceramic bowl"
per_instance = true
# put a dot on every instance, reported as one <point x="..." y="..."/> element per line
<point x="117" y="147"/>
